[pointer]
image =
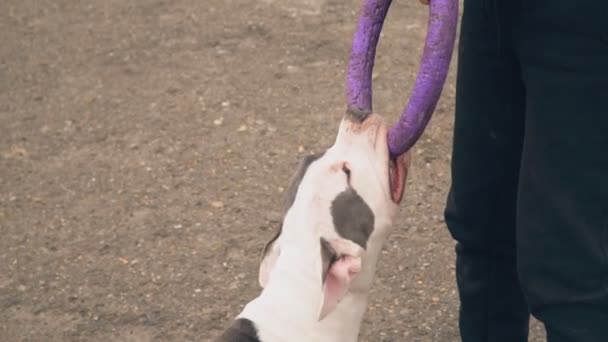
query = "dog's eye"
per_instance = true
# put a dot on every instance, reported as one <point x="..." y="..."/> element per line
<point x="346" y="171"/>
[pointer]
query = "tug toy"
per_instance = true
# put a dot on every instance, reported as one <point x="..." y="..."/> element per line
<point x="439" y="44"/>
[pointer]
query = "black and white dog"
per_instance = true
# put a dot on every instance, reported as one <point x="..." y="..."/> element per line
<point x="317" y="271"/>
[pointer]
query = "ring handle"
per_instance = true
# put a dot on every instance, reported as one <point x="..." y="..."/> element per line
<point x="438" y="48"/>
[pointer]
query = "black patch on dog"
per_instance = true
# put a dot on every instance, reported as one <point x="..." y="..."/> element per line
<point x="292" y="190"/>
<point x="328" y="257"/>
<point x="353" y="218"/>
<point x="242" y="330"/>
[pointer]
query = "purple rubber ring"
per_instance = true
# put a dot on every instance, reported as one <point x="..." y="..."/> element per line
<point x="362" y="55"/>
<point x="439" y="45"/>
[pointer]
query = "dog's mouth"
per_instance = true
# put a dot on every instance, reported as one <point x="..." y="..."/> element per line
<point x="396" y="177"/>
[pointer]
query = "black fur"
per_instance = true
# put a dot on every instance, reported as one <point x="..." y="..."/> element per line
<point x="328" y="257"/>
<point x="353" y="218"/>
<point x="241" y="330"/>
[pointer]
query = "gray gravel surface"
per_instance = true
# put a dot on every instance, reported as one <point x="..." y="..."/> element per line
<point x="145" y="146"/>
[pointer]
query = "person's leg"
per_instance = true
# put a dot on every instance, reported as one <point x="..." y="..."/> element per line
<point x="562" y="220"/>
<point x="480" y="212"/>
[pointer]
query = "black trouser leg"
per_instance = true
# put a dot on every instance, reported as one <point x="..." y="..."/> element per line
<point x="562" y="236"/>
<point x="481" y="206"/>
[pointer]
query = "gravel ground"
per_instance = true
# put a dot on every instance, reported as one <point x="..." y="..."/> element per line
<point x="145" y="146"/>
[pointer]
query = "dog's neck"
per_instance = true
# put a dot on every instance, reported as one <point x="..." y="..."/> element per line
<point x="289" y="302"/>
<point x="288" y="307"/>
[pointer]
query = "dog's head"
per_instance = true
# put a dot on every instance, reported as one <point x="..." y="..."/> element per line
<point x="340" y="205"/>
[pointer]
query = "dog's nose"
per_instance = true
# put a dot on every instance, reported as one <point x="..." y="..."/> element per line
<point x="363" y="128"/>
<point x="357" y="115"/>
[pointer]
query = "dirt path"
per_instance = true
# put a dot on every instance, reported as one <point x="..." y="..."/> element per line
<point x="144" y="147"/>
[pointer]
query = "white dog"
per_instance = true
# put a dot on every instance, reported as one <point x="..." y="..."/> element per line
<point x="317" y="271"/>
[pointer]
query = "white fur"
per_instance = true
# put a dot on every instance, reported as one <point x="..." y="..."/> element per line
<point x="288" y="307"/>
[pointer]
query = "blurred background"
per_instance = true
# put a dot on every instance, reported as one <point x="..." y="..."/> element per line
<point x="145" y="146"/>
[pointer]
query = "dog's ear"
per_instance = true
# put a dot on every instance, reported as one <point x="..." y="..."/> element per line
<point x="269" y="258"/>
<point x="338" y="270"/>
<point x="272" y="250"/>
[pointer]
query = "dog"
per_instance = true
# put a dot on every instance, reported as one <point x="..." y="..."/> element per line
<point x="317" y="271"/>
